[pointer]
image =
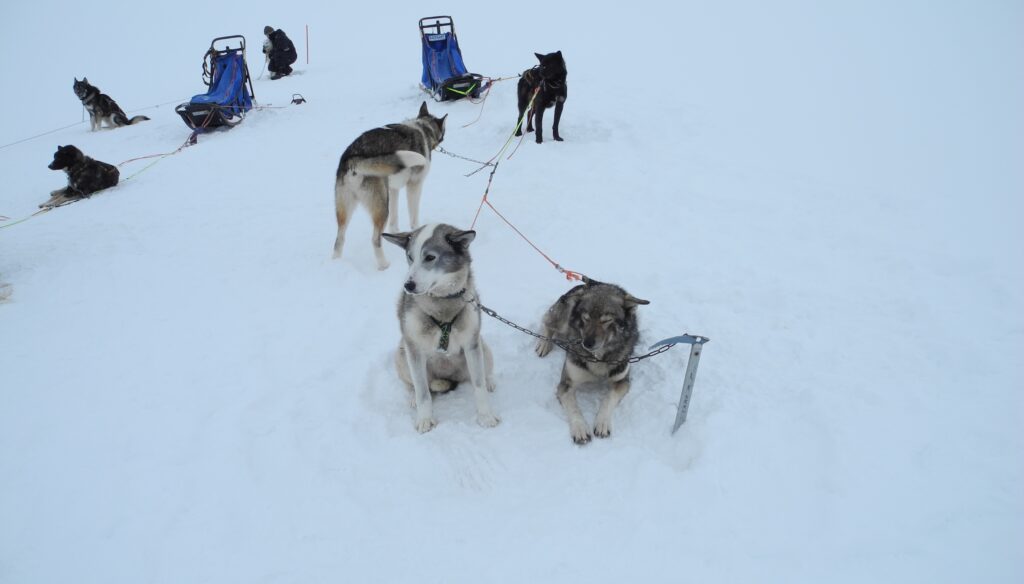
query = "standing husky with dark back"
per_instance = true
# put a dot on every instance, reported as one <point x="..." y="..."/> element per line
<point x="599" y="321"/>
<point x="441" y="343"/>
<point x="379" y="164"/>
<point x="547" y="80"/>
<point x="101" y="107"/>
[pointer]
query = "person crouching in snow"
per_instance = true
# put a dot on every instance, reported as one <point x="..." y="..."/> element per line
<point x="280" y="52"/>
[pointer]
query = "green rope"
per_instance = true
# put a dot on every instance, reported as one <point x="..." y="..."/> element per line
<point x="45" y="209"/>
<point x="145" y="168"/>
<point x="511" y="137"/>
<point x="39" y="212"/>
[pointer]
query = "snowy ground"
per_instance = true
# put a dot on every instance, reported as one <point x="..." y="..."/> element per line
<point x="192" y="391"/>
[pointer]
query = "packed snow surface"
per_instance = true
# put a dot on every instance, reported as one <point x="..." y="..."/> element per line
<point x="191" y="390"/>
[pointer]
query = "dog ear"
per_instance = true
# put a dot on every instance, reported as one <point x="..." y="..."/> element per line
<point x="460" y="239"/>
<point x="423" y="110"/>
<point x="590" y="281"/>
<point x="399" y="239"/>
<point x="540" y="57"/>
<point x="85" y="79"/>
<point x="630" y="301"/>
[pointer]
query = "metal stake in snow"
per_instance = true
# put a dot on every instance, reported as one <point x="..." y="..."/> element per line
<point x="696" y="343"/>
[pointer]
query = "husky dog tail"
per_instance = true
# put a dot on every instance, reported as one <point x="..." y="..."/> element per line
<point x="125" y="121"/>
<point x="387" y="165"/>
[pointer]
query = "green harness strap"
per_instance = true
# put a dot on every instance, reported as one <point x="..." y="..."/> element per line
<point x="446" y="331"/>
<point x="462" y="93"/>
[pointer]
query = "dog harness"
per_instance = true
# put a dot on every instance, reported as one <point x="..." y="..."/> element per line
<point x="446" y="331"/>
<point x="446" y="327"/>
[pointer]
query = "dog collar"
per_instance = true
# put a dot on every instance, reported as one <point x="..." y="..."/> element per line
<point x="451" y="296"/>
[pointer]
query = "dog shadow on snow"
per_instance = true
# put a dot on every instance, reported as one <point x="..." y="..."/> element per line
<point x="462" y="447"/>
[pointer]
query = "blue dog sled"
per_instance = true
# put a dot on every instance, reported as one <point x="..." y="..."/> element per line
<point x="444" y="73"/>
<point x="230" y="93"/>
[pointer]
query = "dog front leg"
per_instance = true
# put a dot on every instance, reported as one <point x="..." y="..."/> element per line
<point x="538" y="122"/>
<point x="417" y="363"/>
<point x="603" y="423"/>
<point x="558" y="116"/>
<point x="544" y="345"/>
<point x="56" y="197"/>
<point x="566" y="394"/>
<point x="476" y="363"/>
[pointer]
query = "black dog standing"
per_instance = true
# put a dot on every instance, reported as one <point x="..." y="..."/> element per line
<point x="548" y="80"/>
<point x="85" y="175"/>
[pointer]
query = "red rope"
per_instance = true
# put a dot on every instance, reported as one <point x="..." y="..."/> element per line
<point x="484" y="198"/>
<point x="188" y="141"/>
<point x="180" y="148"/>
<point x="569" y="274"/>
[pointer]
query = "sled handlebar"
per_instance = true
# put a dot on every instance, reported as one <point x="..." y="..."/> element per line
<point x="440" y="22"/>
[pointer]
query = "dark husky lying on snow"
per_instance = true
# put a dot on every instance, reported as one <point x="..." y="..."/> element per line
<point x="85" y="175"/>
<point x="598" y="321"/>
<point x="548" y="80"/>
<point x="101" y="107"/>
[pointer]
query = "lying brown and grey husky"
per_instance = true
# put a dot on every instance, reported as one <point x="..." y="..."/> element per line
<point x="597" y="321"/>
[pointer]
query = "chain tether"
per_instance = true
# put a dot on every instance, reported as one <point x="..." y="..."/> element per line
<point x="460" y="157"/>
<point x="566" y="345"/>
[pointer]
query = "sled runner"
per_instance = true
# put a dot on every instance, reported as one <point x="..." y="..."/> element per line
<point x="230" y="88"/>
<point x="444" y="73"/>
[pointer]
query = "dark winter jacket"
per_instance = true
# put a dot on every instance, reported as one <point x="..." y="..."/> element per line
<point x="282" y="50"/>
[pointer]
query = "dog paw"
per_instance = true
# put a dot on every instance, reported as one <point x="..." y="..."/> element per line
<point x="543" y="348"/>
<point x="424" y="425"/>
<point x="540" y="140"/>
<point x="487" y="420"/>
<point x="491" y="385"/>
<point x="383" y="265"/>
<point x="519" y="132"/>
<point x="559" y="139"/>
<point x="579" y="434"/>
<point x="603" y="428"/>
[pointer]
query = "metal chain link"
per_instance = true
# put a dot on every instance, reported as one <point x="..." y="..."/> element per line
<point x="567" y="345"/>
<point x="454" y="155"/>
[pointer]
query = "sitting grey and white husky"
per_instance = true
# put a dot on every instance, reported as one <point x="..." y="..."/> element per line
<point x="597" y="321"/>
<point x="377" y="165"/>
<point x="441" y="343"/>
<point x="101" y="107"/>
